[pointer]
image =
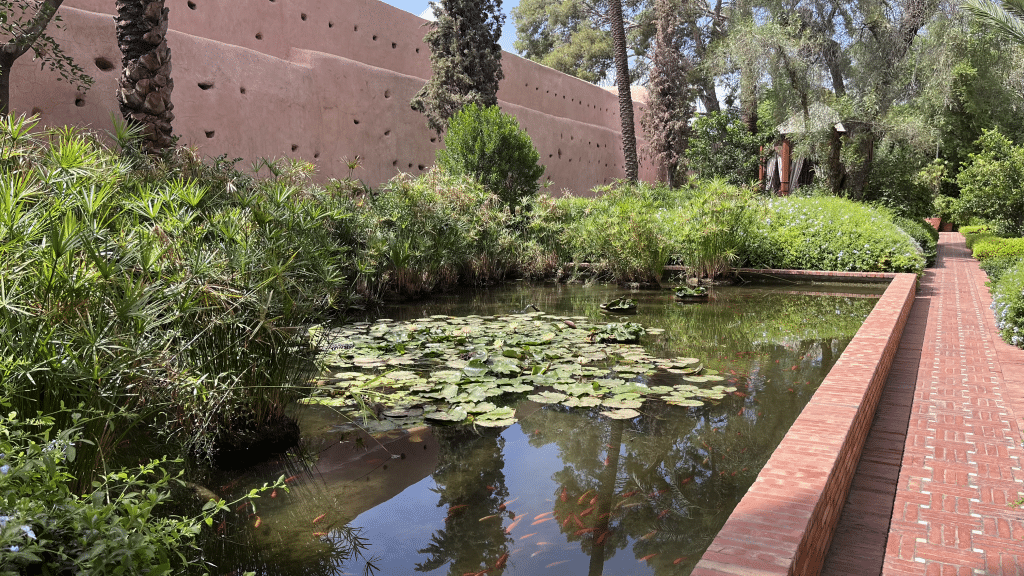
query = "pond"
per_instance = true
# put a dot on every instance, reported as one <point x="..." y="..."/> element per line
<point x="559" y="490"/>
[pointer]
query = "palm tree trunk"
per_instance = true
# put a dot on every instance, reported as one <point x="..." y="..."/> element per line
<point x="144" y="89"/>
<point x="625" y="96"/>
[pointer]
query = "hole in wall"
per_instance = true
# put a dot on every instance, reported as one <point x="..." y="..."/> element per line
<point x="433" y="139"/>
<point x="559" y="153"/>
<point x="104" y="64"/>
<point x="394" y="45"/>
<point x="241" y="89"/>
<point x="330" y="24"/>
<point x="79" y="102"/>
<point x="410" y="164"/>
<point x="191" y="5"/>
<point x="259" y="36"/>
<point x="417" y="50"/>
<point x="316" y="154"/>
<point x="374" y="37"/>
<point x="295" y="147"/>
<point x="36" y="111"/>
<point x="205" y="85"/>
<point x="550" y="155"/>
<point x="387" y="132"/>
<point x="420" y="166"/>
<point x="394" y="162"/>
<point x="355" y="28"/>
<point x="209" y="133"/>
<point x="303" y="16"/>
<point x="355" y="121"/>
<point x="387" y="93"/>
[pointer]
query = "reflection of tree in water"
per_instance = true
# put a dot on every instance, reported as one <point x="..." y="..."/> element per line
<point x="681" y="471"/>
<point x="471" y="485"/>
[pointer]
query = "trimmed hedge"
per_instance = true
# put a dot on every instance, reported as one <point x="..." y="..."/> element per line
<point x="822" y="233"/>
<point x="995" y="247"/>
<point x="1008" y="303"/>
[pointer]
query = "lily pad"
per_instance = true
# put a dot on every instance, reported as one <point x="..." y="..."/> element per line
<point x="622" y="414"/>
<point x="456" y="414"/>
<point x="547" y="397"/>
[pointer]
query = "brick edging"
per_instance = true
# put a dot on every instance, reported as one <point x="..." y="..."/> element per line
<point x="784" y="524"/>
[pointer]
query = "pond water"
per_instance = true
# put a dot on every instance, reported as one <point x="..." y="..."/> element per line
<point x="562" y="491"/>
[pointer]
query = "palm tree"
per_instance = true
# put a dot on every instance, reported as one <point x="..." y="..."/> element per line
<point x="144" y="89"/>
<point x="1006" y="17"/>
<point x="625" y="95"/>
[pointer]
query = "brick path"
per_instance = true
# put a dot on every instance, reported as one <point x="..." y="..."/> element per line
<point x="962" y="455"/>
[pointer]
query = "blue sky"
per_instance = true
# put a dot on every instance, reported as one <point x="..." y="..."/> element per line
<point x="508" y="33"/>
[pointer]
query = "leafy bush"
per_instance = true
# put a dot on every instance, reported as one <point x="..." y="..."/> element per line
<point x="994" y="247"/>
<point x="721" y="147"/>
<point x="895" y="182"/>
<point x="992" y="185"/>
<point x="830" y="234"/>
<point x="1008" y="303"/>
<point x="996" y="266"/>
<point x="487" y="144"/>
<point x="45" y="528"/>
<point x="925" y="235"/>
<point x="631" y="231"/>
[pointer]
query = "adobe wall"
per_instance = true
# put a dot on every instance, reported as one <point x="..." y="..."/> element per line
<point x="321" y="81"/>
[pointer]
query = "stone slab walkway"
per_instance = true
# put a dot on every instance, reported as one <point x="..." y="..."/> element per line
<point x="942" y="464"/>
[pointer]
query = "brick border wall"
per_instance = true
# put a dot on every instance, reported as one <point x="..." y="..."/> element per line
<point x="785" y="522"/>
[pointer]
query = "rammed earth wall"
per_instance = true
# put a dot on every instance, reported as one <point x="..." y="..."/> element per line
<point x="321" y="81"/>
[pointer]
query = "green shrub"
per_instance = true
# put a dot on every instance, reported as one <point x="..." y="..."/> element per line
<point x="1008" y="302"/>
<point x="45" y="528"/>
<point x="488" y="145"/>
<point x="721" y="147"/>
<point x="895" y="183"/>
<point x="996" y="266"/>
<point x="994" y="247"/>
<point x="830" y="234"/>
<point x="992" y="185"/>
<point x="926" y="236"/>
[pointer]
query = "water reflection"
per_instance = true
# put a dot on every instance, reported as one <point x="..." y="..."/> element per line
<point x="563" y="491"/>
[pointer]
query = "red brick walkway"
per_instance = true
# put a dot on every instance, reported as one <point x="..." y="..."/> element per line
<point x="961" y="466"/>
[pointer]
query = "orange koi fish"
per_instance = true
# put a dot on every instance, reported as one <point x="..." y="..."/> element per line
<point x="567" y="520"/>
<point x="663" y="513"/>
<point x="678" y="560"/>
<point x="501" y="561"/>
<point x="319" y="534"/>
<point x="539" y="516"/>
<point x="553" y="564"/>
<point x="585" y="531"/>
<point x="648" y="535"/>
<point x="587" y="511"/>
<point x="319" y="518"/>
<point x="578" y="521"/>
<point x="274" y="493"/>
<point x="513" y="525"/>
<point x="240" y="506"/>
<point x="290" y="479"/>
<point x="648" y="557"/>
<point x="258" y="522"/>
<point x="528" y="535"/>
<point x="582" y="498"/>
<point x="593" y="500"/>
<point x="488" y="517"/>
<point x="541" y="521"/>
<point x="604" y="535"/>
<point x="565" y="494"/>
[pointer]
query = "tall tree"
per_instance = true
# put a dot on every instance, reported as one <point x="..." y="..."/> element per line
<point x="669" y="101"/>
<point x="144" y="88"/>
<point x="465" y="59"/>
<point x="1005" y="17"/>
<point x="22" y="28"/>
<point x="622" y="83"/>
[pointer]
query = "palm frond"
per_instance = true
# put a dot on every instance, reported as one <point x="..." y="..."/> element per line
<point x="1006" y="19"/>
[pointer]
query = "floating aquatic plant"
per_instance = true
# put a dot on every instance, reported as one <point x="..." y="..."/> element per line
<point x="457" y="369"/>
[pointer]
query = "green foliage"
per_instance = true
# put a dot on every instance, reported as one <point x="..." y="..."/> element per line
<point x="1008" y="302"/>
<point x="632" y="231"/>
<point x="114" y="528"/>
<point x="488" y="145"/>
<point x="830" y="234"/>
<point x="943" y="206"/>
<point x="926" y="236"/>
<point x="465" y="59"/>
<point x="996" y="266"/>
<point x="992" y="185"/>
<point x="995" y="247"/>
<point x="721" y="147"/>
<point x="897" y="184"/>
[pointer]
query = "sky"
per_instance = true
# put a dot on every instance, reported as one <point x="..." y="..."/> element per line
<point x="508" y="32"/>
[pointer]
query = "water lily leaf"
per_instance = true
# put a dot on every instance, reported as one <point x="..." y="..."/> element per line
<point x="496" y="423"/>
<point x="683" y="401"/>
<point x="403" y="412"/>
<point x="662" y="390"/>
<point x="547" y="397"/>
<point x="621" y="403"/>
<point x="449" y="392"/>
<point x="402" y="375"/>
<point x="622" y="414"/>
<point x="479" y="408"/>
<point x="456" y="414"/>
<point x="516" y="388"/>
<point x="475" y="368"/>
<point x="695" y="378"/>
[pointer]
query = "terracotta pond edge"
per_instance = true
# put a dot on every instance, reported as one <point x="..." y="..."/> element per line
<point x="785" y="522"/>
